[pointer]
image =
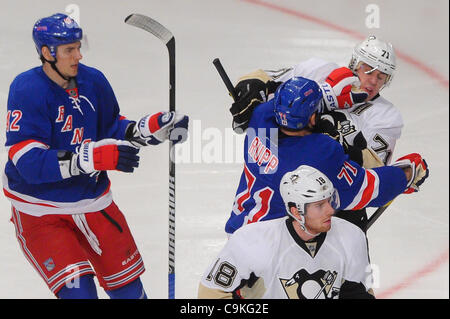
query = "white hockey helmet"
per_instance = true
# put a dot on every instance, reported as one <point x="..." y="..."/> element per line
<point x="378" y="54"/>
<point x="306" y="185"/>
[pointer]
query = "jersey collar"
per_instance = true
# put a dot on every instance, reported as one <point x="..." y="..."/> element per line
<point x="316" y="242"/>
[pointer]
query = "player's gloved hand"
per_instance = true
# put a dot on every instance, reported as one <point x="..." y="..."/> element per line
<point x="106" y="154"/>
<point x="251" y="90"/>
<point x="156" y="128"/>
<point x="325" y="124"/>
<point x="342" y="89"/>
<point x="355" y="151"/>
<point x="419" y="170"/>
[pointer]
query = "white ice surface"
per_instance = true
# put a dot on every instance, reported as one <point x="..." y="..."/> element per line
<point x="409" y="244"/>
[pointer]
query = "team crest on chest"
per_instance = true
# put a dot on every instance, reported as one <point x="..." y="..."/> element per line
<point x="68" y="126"/>
<point x="318" y="285"/>
<point x="79" y="103"/>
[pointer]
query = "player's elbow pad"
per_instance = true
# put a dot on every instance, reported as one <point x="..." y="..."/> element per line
<point x="39" y="166"/>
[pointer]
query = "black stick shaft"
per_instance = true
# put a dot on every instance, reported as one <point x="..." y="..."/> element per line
<point x="377" y="214"/>
<point x="225" y="78"/>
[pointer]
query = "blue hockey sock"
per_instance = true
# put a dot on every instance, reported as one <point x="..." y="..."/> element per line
<point x="133" y="290"/>
<point x="83" y="289"/>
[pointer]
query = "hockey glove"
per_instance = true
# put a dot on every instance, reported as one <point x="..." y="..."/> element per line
<point x="325" y="126"/>
<point x="251" y="90"/>
<point x="104" y="155"/>
<point x="107" y="154"/>
<point x="419" y="170"/>
<point x="342" y="89"/>
<point x="155" y="129"/>
<point x="358" y="152"/>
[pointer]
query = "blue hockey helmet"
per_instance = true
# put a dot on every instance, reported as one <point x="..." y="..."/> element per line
<point x="295" y="101"/>
<point x="55" y="30"/>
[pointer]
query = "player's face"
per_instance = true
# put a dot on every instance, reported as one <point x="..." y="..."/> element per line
<point x="318" y="216"/>
<point x="371" y="82"/>
<point x="68" y="57"/>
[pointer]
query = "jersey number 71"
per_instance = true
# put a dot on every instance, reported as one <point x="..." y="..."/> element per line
<point x="260" y="197"/>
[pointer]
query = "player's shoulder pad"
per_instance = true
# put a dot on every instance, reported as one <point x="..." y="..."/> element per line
<point x="316" y="69"/>
<point x="265" y="108"/>
<point x="88" y="72"/>
<point x="260" y="234"/>
<point x="385" y="116"/>
<point x="29" y="82"/>
<point x="387" y="109"/>
<point x="319" y="62"/>
<point x="347" y="232"/>
<point x="327" y="143"/>
<point x="28" y="89"/>
<point x="262" y="115"/>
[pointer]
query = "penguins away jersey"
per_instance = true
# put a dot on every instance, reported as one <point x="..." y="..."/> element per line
<point x="379" y="120"/>
<point x="269" y="260"/>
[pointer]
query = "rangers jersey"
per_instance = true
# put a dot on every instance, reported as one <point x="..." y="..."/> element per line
<point x="379" y="120"/>
<point x="269" y="154"/>
<point x="270" y="260"/>
<point x="42" y="119"/>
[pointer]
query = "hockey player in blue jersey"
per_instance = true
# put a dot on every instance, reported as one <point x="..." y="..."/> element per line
<point x="64" y="132"/>
<point x="281" y="137"/>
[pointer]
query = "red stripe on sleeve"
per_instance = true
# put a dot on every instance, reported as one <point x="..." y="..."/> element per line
<point x="368" y="191"/>
<point x="17" y="147"/>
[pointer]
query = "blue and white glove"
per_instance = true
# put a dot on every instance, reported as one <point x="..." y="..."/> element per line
<point x="156" y="128"/>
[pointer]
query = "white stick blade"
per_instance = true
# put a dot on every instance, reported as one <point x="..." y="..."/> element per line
<point x="149" y="25"/>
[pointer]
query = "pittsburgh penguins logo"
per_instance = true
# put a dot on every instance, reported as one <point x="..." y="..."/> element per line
<point x="318" y="285"/>
<point x="341" y="123"/>
<point x="345" y="127"/>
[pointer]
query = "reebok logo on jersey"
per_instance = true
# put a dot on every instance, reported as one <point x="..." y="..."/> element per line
<point x="49" y="264"/>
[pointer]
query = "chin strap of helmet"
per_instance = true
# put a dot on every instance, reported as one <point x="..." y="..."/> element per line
<point x="53" y="65"/>
<point x="301" y="221"/>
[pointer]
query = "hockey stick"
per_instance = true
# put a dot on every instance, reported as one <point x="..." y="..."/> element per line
<point x="377" y="214"/>
<point x="162" y="33"/>
<point x="225" y="78"/>
<point x="231" y="89"/>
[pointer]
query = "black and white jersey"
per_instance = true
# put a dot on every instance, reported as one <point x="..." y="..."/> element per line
<point x="379" y="120"/>
<point x="269" y="260"/>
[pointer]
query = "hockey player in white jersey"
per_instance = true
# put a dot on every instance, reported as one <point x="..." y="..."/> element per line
<point x="351" y="92"/>
<point x="307" y="255"/>
<point x="365" y="123"/>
